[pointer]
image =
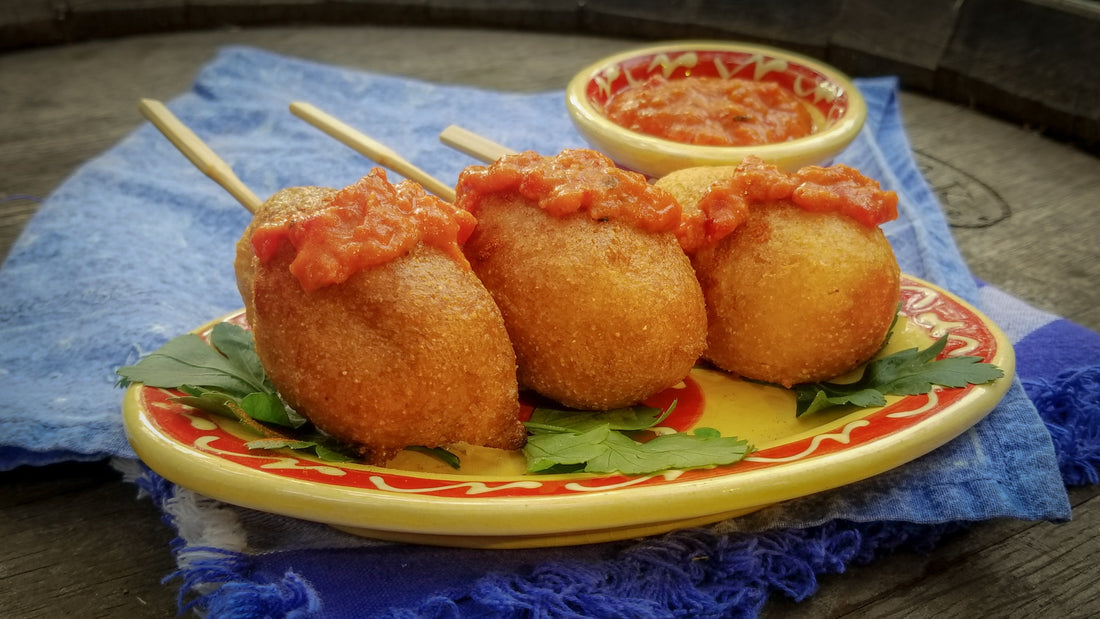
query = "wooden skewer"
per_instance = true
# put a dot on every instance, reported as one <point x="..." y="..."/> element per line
<point x="371" y="148"/>
<point x="205" y="159"/>
<point x="472" y="144"/>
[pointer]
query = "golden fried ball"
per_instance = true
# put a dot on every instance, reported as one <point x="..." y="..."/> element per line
<point x="688" y="185"/>
<point x="413" y="352"/>
<point x="796" y="297"/>
<point x="792" y="296"/>
<point x="600" y="313"/>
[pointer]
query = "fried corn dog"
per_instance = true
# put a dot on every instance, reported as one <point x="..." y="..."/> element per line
<point x="800" y="282"/>
<point x="601" y="304"/>
<point x="370" y="322"/>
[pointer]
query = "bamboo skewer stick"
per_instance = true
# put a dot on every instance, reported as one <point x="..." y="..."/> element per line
<point x="205" y="159"/>
<point x="472" y="144"/>
<point x="371" y="148"/>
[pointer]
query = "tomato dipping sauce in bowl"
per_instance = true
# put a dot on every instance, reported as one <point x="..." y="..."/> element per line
<point x="684" y="104"/>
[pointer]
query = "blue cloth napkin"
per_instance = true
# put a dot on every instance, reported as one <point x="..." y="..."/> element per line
<point x="137" y="245"/>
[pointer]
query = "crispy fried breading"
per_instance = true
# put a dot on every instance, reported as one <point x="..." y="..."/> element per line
<point x="792" y="296"/>
<point x="689" y="184"/>
<point x="601" y="314"/>
<point x="413" y="352"/>
<point x="797" y="297"/>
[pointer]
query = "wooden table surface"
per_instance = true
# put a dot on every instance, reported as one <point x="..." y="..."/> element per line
<point x="78" y="541"/>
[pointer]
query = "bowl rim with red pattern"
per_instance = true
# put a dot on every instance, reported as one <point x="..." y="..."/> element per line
<point x="841" y="109"/>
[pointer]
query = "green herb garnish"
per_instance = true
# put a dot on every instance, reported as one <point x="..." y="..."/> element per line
<point x="225" y="377"/>
<point x="228" y="364"/>
<point x="439" y="453"/>
<point x="907" y="372"/>
<point x="564" y="441"/>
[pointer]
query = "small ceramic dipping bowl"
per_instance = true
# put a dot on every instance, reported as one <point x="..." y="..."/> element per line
<point x="835" y="105"/>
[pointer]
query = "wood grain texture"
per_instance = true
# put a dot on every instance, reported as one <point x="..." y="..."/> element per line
<point x="1011" y="55"/>
<point x="78" y="541"/>
<point x="906" y="39"/>
<point x="1025" y="60"/>
<point x="995" y="569"/>
<point x="1043" y="248"/>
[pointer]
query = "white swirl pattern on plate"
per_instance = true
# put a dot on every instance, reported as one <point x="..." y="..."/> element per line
<point x="206" y="443"/>
<point x="472" y="487"/>
<point x="844" y="436"/>
<point x="933" y="401"/>
<point x="669" y="475"/>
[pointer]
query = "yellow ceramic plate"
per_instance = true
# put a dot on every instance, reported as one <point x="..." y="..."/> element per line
<point x="492" y="504"/>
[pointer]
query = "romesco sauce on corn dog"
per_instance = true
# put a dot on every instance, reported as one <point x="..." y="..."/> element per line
<point x="574" y="180"/>
<point x="837" y="189"/>
<point x="365" y="224"/>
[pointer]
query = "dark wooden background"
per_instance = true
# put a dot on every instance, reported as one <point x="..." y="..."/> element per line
<point x="1029" y="61"/>
<point x="999" y="121"/>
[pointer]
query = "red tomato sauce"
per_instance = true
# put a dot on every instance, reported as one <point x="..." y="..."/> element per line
<point x="363" y="225"/>
<point x="574" y="180"/>
<point x="711" y="111"/>
<point x="836" y="189"/>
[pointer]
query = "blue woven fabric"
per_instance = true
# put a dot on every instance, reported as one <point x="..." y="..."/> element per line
<point x="136" y="247"/>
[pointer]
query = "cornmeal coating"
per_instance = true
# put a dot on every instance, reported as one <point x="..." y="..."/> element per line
<point x="412" y="352"/>
<point x="801" y="284"/>
<point x="601" y="314"/>
<point x="689" y="185"/>
<point x="794" y="296"/>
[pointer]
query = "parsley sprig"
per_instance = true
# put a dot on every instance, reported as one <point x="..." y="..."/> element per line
<point x="225" y="377"/>
<point x="564" y="441"/>
<point x="908" y="372"/>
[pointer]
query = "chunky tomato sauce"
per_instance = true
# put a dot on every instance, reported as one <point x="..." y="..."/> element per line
<point x="711" y="111"/>
<point x="572" y="181"/>
<point x="366" y="224"/>
<point x="836" y="189"/>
